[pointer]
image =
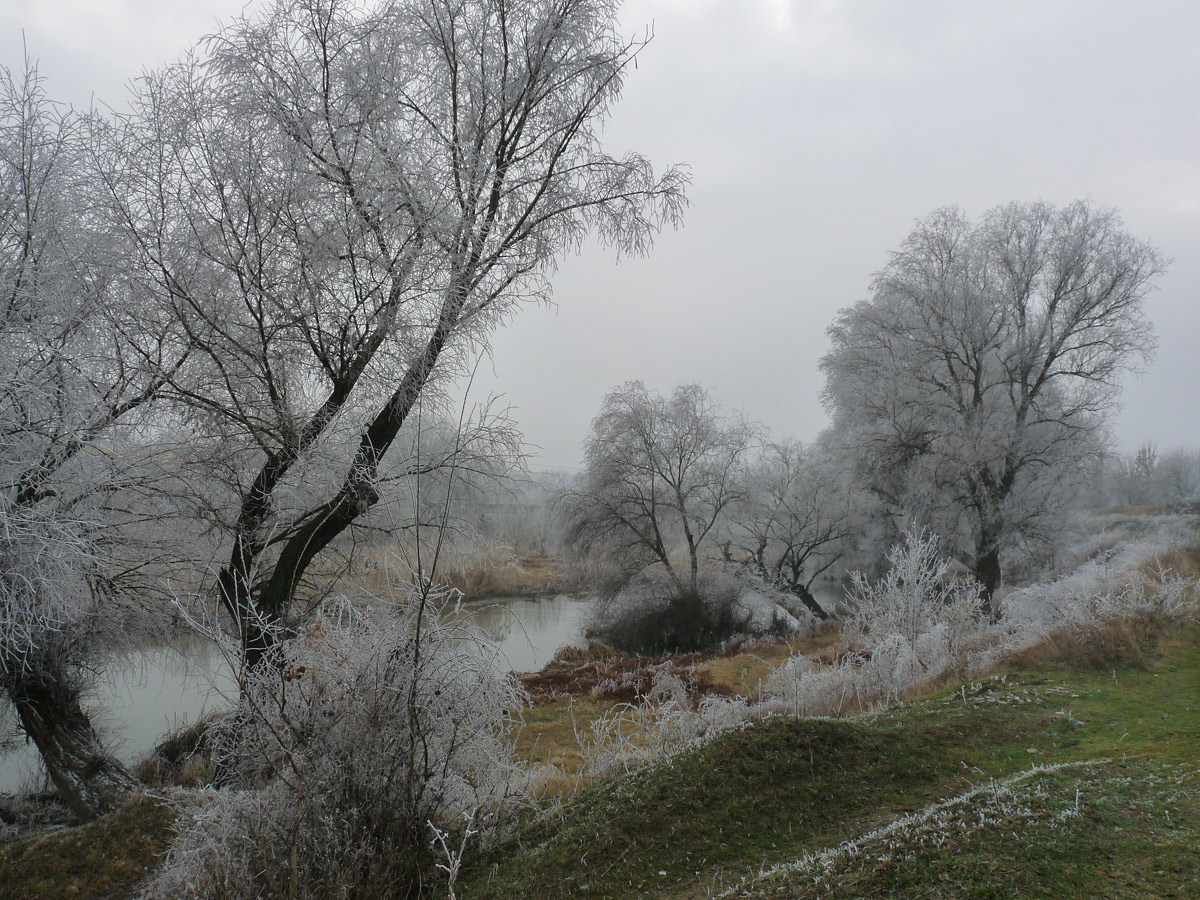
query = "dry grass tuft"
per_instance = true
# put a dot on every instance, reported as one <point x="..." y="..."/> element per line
<point x="1128" y="642"/>
<point x="184" y="758"/>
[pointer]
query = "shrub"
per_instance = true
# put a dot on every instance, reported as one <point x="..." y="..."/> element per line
<point x="653" y="615"/>
<point x="918" y="602"/>
<point x="347" y="759"/>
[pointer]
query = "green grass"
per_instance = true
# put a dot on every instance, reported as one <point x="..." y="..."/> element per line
<point x="740" y="812"/>
<point x="769" y="794"/>
<point x="103" y="859"/>
<point x="1115" y="830"/>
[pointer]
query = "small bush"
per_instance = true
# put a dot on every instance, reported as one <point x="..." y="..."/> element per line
<point x="917" y="601"/>
<point x="653" y="615"/>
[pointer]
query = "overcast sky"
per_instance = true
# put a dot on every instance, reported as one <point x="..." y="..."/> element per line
<point x="817" y="132"/>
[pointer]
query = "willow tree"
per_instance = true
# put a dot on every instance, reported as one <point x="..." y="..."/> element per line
<point x="82" y="355"/>
<point x="972" y="387"/>
<point x="340" y="201"/>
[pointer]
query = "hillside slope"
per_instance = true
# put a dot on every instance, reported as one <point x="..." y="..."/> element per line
<point x="1067" y="781"/>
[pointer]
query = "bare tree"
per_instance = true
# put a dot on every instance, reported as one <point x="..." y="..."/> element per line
<point x="1177" y="479"/>
<point x="796" y="519"/>
<point x="973" y="384"/>
<point x="339" y="203"/>
<point x="658" y="471"/>
<point x="81" y="357"/>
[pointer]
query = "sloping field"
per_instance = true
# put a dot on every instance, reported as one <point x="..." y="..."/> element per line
<point x="1065" y="782"/>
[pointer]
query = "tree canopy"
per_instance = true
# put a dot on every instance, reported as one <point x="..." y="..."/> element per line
<point x="976" y="380"/>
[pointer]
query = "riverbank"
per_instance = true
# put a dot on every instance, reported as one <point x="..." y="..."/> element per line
<point x="680" y="778"/>
<point x="1064" y="780"/>
<point x="1093" y="766"/>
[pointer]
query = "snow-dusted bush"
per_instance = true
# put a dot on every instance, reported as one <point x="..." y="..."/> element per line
<point x="1093" y="593"/>
<point x="917" y="596"/>
<point x="652" y="614"/>
<point x="913" y="627"/>
<point x="660" y="723"/>
<point x="346" y="756"/>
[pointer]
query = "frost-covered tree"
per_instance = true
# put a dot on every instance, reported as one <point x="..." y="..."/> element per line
<point x="81" y="357"/>
<point x="795" y="520"/>
<point x="973" y="385"/>
<point x="340" y="201"/>
<point x="659" y="472"/>
<point x="1177" y="478"/>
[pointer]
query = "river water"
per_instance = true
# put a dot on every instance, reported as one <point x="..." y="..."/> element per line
<point x="149" y="693"/>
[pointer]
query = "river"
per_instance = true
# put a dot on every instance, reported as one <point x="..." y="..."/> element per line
<point x="149" y="693"/>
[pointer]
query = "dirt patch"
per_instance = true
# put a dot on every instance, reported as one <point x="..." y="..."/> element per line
<point x="601" y="673"/>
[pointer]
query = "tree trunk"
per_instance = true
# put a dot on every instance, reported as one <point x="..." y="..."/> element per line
<point x="89" y="780"/>
<point x="810" y="601"/>
<point x="987" y="572"/>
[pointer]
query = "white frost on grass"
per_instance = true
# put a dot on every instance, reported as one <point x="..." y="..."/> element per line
<point x="986" y="804"/>
<point x="912" y="628"/>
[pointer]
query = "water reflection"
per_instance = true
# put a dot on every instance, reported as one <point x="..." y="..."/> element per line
<point x="146" y="694"/>
<point x="527" y="631"/>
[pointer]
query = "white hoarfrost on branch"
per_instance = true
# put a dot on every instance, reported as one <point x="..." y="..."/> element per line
<point x="81" y="357"/>
<point x="370" y="742"/>
<point x="972" y="388"/>
<point x="340" y="201"/>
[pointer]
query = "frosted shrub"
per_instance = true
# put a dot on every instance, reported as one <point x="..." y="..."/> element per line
<point x="933" y="614"/>
<point x="801" y="687"/>
<point x="913" y="624"/>
<point x="346" y="758"/>
<point x="1099" y="591"/>
<point x="911" y="627"/>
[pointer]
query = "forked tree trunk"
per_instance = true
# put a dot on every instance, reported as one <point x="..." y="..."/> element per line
<point x="89" y="780"/>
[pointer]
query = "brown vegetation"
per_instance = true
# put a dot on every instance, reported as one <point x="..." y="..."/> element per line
<point x="500" y="572"/>
<point x="737" y="668"/>
<point x="599" y="672"/>
<point x="1128" y="642"/>
<point x="184" y="758"/>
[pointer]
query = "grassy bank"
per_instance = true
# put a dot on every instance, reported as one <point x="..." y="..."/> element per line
<point x="103" y="859"/>
<point x="1060" y="776"/>
<point x="725" y="815"/>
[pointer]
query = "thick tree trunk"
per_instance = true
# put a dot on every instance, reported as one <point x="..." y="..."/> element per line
<point x="987" y="572"/>
<point x="88" y="779"/>
<point x="810" y="601"/>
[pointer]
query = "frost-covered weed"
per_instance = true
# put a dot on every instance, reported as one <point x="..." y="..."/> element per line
<point x="913" y="624"/>
<point x="661" y="723"/>
<point x="347" y="758"/>
<point x="915" y="597"/>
